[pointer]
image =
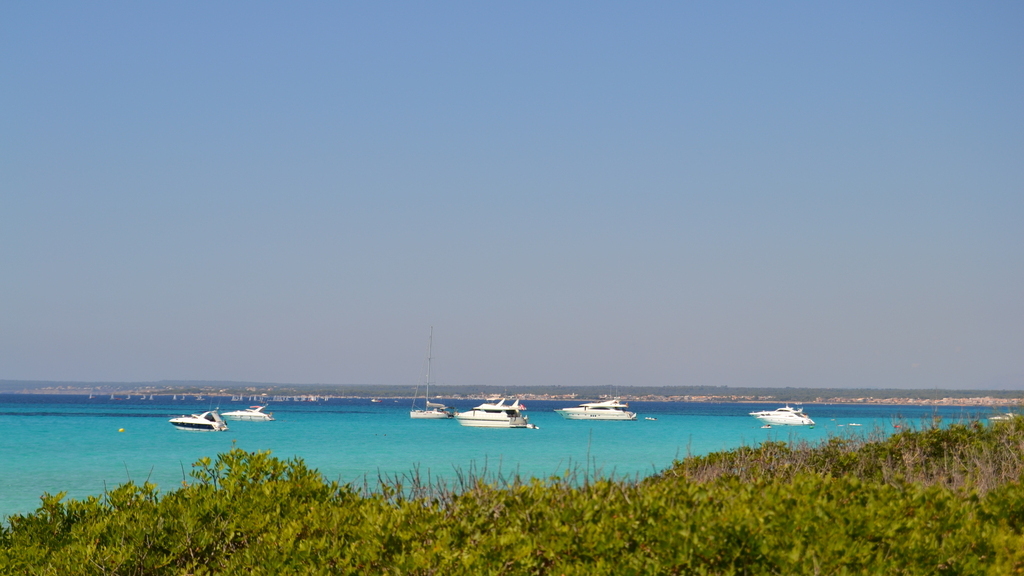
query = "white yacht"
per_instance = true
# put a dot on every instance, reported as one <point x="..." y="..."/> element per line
<point x="252" y="413"/>
<point x="496" y="415"/>
<point x="431" y="410"/>
<point x="785" y="416"/>
<point x="607" y="410"/>
<point x="209" y="421"/>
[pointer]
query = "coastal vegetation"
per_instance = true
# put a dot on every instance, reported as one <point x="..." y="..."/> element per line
<point x="942" y="500"/>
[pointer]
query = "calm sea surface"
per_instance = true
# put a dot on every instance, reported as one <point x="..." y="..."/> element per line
<point x="54" y="443"/>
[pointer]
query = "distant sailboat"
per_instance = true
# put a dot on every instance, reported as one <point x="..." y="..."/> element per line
<point x="433" y="410"/>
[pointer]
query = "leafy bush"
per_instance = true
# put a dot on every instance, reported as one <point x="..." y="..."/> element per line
<point x="929" y="502"/>
<point x="960" y="456"/>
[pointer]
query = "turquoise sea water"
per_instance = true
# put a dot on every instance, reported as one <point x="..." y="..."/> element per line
<point x="71" y="443"/>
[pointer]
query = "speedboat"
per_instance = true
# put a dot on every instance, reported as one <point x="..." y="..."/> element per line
<point x="252" y="413"/>
<point x="208" y="421"/>
<point x="784" y="416"/>
<point x="496" y="415"/>
<point x="607" y="410"/>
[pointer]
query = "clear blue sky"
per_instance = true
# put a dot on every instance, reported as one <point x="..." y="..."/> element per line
<point x="745" y="194"/>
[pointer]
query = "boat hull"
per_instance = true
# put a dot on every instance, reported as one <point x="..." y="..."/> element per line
<point x="247" y="418"/>
<point x="595" y="415"/>
<point x="429" y="415"/>
<point x="784" y="421"/>
<point x="486" y="421"/>
<point x="199" y="427"/>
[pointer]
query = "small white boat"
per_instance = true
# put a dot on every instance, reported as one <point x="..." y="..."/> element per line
<point x="207" y="421"/>
<point x="375" y="400"/>
<point x="432" y="410"/>
<point x="496" y="415"/>
<point x="766" y="426"/>
<point x="252" y="413"/>
<point x="607" y="410"/>
<point x="1000" y="418"/>
<point x="649" y="418"/>
<point x="785" y="416"/>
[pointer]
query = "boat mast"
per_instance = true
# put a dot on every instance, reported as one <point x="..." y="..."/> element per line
<point x="430" y="346"/>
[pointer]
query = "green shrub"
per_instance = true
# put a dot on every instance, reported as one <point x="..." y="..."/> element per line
<point x="929" y="502"/>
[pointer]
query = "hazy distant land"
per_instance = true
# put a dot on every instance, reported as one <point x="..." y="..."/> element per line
<point x="641" y="393"/>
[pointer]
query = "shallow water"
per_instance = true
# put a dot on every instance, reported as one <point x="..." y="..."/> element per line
<point x="52" y="443"/>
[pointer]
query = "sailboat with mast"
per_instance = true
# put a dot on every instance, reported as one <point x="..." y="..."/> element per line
<point x="432" y="410"/>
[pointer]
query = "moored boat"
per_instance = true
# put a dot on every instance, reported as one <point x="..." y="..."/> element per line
<point x="607" y="410"/>
<point x="496" y="415"/>
<point x="431" y="410"/>
<point x="207" y="421"/>
<point x="785" y="416"/>
<point x="252" y="413"/>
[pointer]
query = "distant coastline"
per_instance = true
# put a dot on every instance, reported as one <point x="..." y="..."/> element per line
<point x="300" y="392"/>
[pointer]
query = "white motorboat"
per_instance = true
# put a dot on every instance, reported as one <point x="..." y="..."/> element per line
<point x="496" y="415"/>
<point x="431" y="410"/>
<point x="252" y="413"/>
<point x="207" y="421"/>
<point x="785" y="416"/>
<point x="607" y="410"/>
